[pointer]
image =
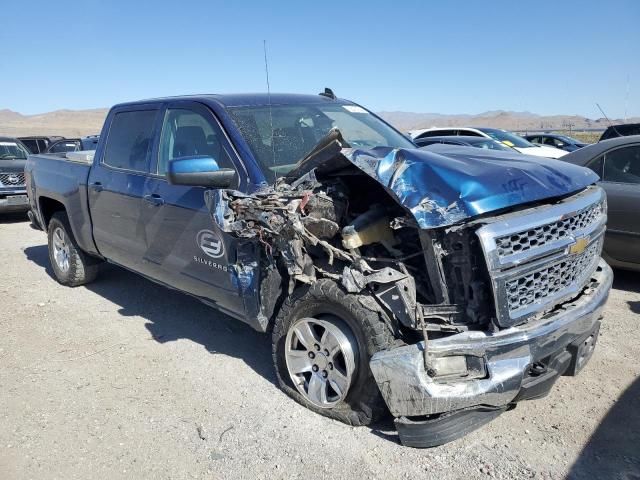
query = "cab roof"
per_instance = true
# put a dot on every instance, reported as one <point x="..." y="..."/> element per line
<point x="248" y="99"/>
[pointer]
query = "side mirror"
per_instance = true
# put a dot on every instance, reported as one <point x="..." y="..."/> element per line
<point x="200" y="171"/>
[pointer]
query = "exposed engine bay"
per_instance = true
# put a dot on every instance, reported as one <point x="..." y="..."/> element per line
<point x="327" y="218"/>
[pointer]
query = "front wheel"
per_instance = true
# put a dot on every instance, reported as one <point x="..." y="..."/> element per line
<point x="323" y="339"/>
<point x="71" y="266"/>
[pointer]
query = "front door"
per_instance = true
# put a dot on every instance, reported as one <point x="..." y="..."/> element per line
<point x="184" y="246"/>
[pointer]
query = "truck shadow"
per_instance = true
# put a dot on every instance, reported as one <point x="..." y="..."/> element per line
<point x="626" y="280"/>
<point x="16" y="217"/>
<point x="171" y="315"/>
<point x="613" y="451"/>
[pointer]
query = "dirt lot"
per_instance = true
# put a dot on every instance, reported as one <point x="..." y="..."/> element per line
<point x="126" y="379"/>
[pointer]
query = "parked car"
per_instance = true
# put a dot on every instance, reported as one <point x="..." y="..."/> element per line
<point x="462" y="151"/>
<point x="478" y="142"/>
<point x="562" y="142"/>
<point x="507" y="138"/>
<point x="38" y="144"/>
<point x="13" y="193"/>
<point x="624" y="130"/>
<point x="443" y="290"/>
<point x="617" y="162"/>
<point x="74" y="144"/>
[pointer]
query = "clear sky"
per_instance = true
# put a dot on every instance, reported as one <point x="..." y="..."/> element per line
<point x="547" y="57"/>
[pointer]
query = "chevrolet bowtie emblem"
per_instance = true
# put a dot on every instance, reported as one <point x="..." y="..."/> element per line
<point x="579" y="246"/>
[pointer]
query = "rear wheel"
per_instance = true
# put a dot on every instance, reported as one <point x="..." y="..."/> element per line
<point x="323" y="339"/>
<point x="71" y="266"/>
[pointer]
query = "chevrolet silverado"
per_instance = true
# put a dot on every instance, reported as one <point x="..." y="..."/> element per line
<point x="442" y="289"/>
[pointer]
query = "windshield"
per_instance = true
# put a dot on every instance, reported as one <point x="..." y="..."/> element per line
<point x="12" y="151"/>
<point x="489" y="144"/>
<point x="508" y="138"/>
<point x="298" y="128"/>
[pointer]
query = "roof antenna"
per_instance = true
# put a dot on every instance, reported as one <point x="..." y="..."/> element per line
<point x="328" y="93"/>
<point x="266" y="71"/>
<point x="610" y="123"/>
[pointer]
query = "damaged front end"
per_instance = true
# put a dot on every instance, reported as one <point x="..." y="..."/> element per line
<point x="329" y="218"/>
<point x="463" y="257"/>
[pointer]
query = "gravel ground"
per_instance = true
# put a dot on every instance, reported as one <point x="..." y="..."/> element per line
<point x="126" y="379"/>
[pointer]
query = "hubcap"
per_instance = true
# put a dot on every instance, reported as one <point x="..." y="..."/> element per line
<point x="61" y="249"/>
<point x="321" y="359"/>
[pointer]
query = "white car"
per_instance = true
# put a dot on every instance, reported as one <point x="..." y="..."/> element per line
<point x="510" y="139"/>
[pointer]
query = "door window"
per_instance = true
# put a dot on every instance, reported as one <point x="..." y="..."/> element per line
<point x="130" y="140"/>
<point x="622" y="165"/>
<point x="553" y="142"/>
<point x="187" y="133"/>
<point x="437" y="133"/>
<point x="468" y="133"/>
<point x="64" y="146"/>
<point x="596" y="165"/>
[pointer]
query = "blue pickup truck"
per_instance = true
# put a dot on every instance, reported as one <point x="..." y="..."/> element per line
<point x="440" y="288"/>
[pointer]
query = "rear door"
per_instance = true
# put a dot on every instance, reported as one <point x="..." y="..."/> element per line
<point x="116" y="184"/>
<point x="184" y="247"/>
<point x="621" y="180"/>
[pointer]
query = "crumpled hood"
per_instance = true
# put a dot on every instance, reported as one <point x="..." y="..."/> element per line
<point x="441" y="189"/>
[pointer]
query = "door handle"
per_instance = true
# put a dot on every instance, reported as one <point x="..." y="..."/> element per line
<point x="154" y="199"/>
<point x="96" y="186"/>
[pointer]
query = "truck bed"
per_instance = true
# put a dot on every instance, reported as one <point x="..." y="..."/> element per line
<point x="63" y="180"/>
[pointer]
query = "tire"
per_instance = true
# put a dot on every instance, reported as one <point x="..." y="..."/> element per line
<point x="71" y="266"/>
<point x="365" y="330"/>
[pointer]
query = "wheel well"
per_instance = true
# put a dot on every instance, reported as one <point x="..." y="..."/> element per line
<point x="49" y="206"/>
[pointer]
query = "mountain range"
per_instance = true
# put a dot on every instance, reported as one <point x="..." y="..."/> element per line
<point x="74" y="123"/>
<point x="517" y="121"/>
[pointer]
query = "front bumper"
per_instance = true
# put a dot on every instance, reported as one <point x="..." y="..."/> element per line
<point x="508" y="355"/>
<point x="7" y="199"/>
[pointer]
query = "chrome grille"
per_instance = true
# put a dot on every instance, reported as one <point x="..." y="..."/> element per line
<point x="539" y="236"/>
<point x="550" y="280"/>
<point x="560" y="246"/>
<point x="12" y="179"/>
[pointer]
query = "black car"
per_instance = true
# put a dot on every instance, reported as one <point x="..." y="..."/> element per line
<point x="13" y="192"/>
<point x="562" y="142"/>
<point x="617" y="161"/>
<point x="74" y="144"/>
<point x="623" y="130"/>
<point x="467" y="141"/>
<point x="38" y="144"/>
